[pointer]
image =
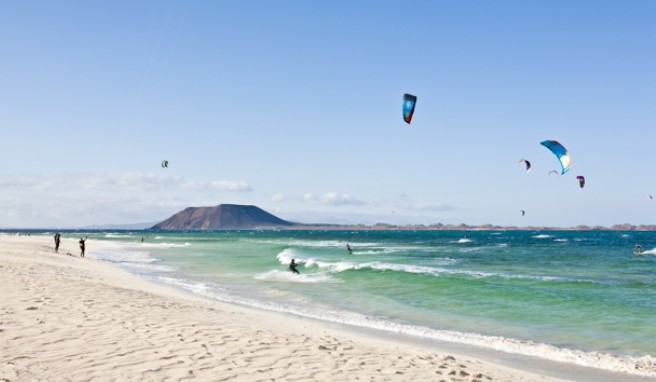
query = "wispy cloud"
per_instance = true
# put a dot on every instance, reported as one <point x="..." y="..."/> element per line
<point x="405" y="202"/>
<point x="70" y="200"/>
<point x="118" y="182"/>
<point x="225" y="185"/>
<point x="333" y="199"/>
<point x="278" y="198"/>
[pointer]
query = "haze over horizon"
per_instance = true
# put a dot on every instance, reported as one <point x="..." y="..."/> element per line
<point x="295" y="107"/>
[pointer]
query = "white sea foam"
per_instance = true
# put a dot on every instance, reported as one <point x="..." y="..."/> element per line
<point x="165" y="245"/>
<point x="123" y="255"/>
<point x="287" y="255"/>
<point x="358" y="249"/>
<point x="138" y="261"/>
<point x="118" y="236"/>
<point x="277" y="275"/>
<point x="542" y="236"/>
<point x="311" y="243"/>
<point x="463" y="241"/>
<point x="643" y="366"/>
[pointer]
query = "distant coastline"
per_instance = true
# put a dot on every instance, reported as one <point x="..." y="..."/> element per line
<point x="466" y="227"/>
<point x="146" y="227"/>
<point x="457" y="227"/>
<point x="232" y="217"/>
<point x="239" y="217"/>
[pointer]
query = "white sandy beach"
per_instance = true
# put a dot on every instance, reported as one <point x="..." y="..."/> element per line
<point x="65" y="318"/>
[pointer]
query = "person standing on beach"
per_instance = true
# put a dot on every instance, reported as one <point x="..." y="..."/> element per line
<point x="57" y="241"/>
<point x="292" y="267"/>
<point x="82" y="246"/>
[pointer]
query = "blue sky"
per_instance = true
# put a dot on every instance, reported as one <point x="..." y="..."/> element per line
<point x="295" y="106"/>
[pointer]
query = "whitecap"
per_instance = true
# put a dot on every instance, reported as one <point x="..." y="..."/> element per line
<point x="277" y="275"/>
<point x="165" y="245"/>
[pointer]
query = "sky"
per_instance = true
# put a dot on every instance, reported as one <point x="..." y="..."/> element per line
<point x="295" y="107"/>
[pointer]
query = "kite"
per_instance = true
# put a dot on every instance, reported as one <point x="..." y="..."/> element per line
<point x="409" y="102"/>
<point x="165" y="163"/>
<point x="581" y="180"/>
<point x="527" y="163"/>
<point x="523" y="212"/>
<point x="560" y="152"/>
<point x="553" y="172"/>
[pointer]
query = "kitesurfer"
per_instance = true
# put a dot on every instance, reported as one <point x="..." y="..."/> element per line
<point x="292" y="267"/>
<point x="638" y="250"/>
<point x="348" y="248"/>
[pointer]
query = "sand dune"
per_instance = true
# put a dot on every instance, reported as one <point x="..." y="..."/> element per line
<point x="64" y="318"/>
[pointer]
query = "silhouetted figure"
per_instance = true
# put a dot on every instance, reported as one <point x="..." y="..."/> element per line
<point x="57" y="241"/>
<point x="292" y="267"/>
<point x="638" y="250"/>
<point x="82" y="246"/>
<point x="348" y="248"/>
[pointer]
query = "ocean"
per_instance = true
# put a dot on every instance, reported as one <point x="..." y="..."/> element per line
<point x="579" y="297"/>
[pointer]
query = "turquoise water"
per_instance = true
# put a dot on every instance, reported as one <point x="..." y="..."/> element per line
<point x="574" y="296"/>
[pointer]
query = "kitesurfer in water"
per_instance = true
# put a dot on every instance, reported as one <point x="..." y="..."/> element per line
<point x="292" y="267"/>
<point x="638" y="250"/>
<point x="348" y="248"/>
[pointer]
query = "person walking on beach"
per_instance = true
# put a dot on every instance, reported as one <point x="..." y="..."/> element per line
<point x="82" y="246"/>
<point x="292" y="267"/>
<point x="57" y="241"/>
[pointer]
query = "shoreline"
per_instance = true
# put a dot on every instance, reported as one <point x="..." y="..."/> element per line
<point x="54" y="305"/>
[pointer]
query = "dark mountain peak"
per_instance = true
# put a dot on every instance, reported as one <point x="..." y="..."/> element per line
<point x="223" y="216"/>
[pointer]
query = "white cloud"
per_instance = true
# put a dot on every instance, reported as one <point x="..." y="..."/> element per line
<point x="225" y="185"/>
<point x="78" y="199"/>
<point x="278" y="198"/>
<point x="309" y="197"/>
<point x="333" y="199"/>
<point x="118" y="182"/>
